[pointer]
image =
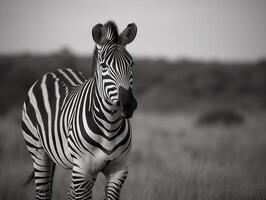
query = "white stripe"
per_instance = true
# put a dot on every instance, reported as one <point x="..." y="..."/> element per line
<point x="58" y="145"/>
<point x="48" y="110"/>
<point x="38" y="115"/>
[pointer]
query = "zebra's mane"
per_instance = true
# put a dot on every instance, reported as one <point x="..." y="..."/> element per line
<point x="112" y="36"/>
<point x="112" y="30"/>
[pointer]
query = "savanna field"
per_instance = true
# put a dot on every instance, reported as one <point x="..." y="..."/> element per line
<point x="199" y="132"/>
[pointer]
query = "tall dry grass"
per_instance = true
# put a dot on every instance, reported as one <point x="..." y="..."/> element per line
<point x="172" y="158"/>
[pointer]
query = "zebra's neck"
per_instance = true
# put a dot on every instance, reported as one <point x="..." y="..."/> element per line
<point x="105" y="116"/>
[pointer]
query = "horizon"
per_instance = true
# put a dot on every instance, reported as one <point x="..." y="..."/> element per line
<point x="139" y="57"/>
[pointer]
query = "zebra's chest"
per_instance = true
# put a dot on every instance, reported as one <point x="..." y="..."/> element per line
<point x="100" y="161"/>
<point x="94" y="151"/>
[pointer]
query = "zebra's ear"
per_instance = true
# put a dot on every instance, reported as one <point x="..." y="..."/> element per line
<point x="128" y="35"/>
<point x="99" y="34"/>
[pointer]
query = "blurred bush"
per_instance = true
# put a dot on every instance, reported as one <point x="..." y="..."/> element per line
<point x="221" y="116"/>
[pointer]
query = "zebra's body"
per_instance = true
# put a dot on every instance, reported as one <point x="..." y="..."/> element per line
<point x="75" y="122"/>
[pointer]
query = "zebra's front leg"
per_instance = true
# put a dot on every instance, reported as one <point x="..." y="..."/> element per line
<point x="81" y="185"/>
<point x="71" y="192"/>
<point x="114" y="183"/>
<point x="43" y="173"/>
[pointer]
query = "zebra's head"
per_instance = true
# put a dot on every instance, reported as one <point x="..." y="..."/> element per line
<point x="113" y="66"/>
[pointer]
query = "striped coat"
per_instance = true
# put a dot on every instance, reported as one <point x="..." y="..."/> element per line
<point x="82" y="124"/>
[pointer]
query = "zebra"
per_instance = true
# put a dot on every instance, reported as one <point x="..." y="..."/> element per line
<point x="84" y="124"/>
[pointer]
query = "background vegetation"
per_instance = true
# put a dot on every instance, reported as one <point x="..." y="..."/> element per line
<point x="199" y="132"/>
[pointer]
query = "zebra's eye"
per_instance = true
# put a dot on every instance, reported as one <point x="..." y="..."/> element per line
<point x="104" y="66"/>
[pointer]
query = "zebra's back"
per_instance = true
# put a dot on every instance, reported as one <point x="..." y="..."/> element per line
<point x="42" y="122"/>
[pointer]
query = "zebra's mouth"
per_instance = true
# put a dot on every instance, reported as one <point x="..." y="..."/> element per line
<point x="126" y="115"/>
<point x="126" y="112"/>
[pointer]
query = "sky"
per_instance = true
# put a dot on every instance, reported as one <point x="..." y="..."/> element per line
<point x="171" y="29"/>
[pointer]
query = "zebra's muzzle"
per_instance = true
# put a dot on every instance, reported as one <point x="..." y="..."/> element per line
<point x="127" y="102"/>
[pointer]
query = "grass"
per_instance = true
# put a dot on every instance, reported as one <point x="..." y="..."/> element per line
<point x="173" y="158"/>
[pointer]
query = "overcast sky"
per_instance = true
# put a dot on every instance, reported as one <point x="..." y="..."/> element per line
<point x="201" y="29"/>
